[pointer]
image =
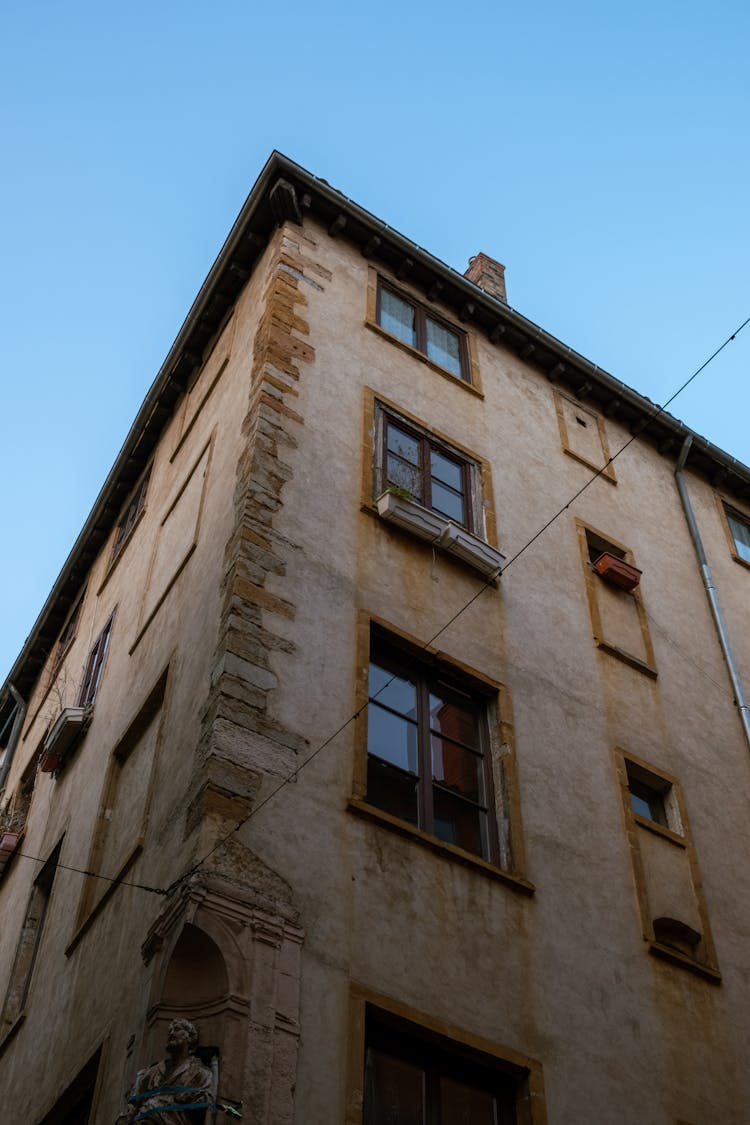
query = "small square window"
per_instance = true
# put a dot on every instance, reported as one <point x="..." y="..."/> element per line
<point x="740" y="531"/>
<point x="418" y="327"/>
<point x="650" y="796"/>
<point x="427" y="737"/>
<point x="647" y="801"/>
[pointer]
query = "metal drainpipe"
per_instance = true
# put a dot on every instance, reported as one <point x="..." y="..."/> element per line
<point x="708" y="582"/>
<point x="15" y="732"/>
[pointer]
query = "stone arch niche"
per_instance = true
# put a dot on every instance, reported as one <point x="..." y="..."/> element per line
<point x="229" y="960"/>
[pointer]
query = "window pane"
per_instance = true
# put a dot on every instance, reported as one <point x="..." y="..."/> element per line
<point x="448" y="503"/>
<point x="447" y="471"/>
<point x="449" y="718"/>
<point x="640" y="806"/>
<point x="394" y="1093"/>
<point x="397" y="317"/>
<point x="459" y="823"/>
<point x="443" y="346"/>
<point x="741" y="535"/>
<point x="393" y="691"/>
<point x="403" y="444"/>
<point x="392" y="790"/>
<point x="647" y="801"/>
<point x="392" y="738"/>
<point x="402" y="475"/>
<point x="466" y="1105"/>
<point x="458" y="769"/>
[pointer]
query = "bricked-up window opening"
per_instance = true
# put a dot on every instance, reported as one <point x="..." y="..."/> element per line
<point x="415" y="325"/>
<point x="435" y="476"/>
<point x="92" y="672"/>
<point x="740" y="529"/>
<point x="427" y="742"/>
<point x="413" y="1082"/>
<point x="29" y="943"/>
<point x="69" y="632"/>
<point x="132" y="511"/>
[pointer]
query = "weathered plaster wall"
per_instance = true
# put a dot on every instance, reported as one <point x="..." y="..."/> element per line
<point x="262" y="631"/>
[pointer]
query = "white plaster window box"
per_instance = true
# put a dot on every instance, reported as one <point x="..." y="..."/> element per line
<point x="441" y="532"/>
<point x="67" y="729"/>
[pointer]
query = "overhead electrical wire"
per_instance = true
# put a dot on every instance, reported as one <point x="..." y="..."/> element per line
<point x="658" y="411"/>
<point x="485" y="585"/>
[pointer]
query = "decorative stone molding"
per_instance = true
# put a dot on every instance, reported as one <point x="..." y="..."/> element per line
<point x="241" y="992"/>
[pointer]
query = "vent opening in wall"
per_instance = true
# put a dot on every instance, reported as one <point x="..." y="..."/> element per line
<point x="677" y="935"/>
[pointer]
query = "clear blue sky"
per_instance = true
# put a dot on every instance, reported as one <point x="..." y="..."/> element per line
<point x="600" y="151"/>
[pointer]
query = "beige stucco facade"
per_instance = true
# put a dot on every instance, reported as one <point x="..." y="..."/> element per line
<point x="233" y="692"/>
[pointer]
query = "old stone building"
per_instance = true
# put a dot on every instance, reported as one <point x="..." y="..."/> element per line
<point x="413" y="827"/>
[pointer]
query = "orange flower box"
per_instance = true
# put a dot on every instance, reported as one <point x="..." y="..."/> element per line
<point x="617" y="571"/>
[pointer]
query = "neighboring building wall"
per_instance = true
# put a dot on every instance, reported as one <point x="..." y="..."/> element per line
<point x="245" y="599"/>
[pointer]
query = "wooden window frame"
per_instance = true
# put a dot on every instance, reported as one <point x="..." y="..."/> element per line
<point x="436" y="1060"/>
<point x="423" y="313"/>
<point x="94" y="667"/>
<point x="368" y="1009"/>
<point x="481" y="493"/>
<point x="426" y="674"/>
<point x="428" y="442"/>
<point x="730" y="511"/>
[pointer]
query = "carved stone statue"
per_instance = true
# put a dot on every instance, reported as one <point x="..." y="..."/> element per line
<point x="175" y="1090"/>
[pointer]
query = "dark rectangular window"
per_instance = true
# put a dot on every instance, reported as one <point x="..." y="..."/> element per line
<point x="131" y="512"/>
<point x="432" y="474"/>
<point x="740" y="529"/>
<point x="410" y="1081"/>
<point x="650" y="796"/>
<point x="417" y="326"/>
<point x="92" y="672"/>
<point x="427" y="749"/>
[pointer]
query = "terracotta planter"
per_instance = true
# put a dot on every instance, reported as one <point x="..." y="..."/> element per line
<point x="8" y="844"/>
<point x="617" y="571"/>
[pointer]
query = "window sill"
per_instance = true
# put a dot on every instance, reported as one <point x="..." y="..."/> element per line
<point x="605" y="472"/>
<point x="628" y="658"/>
<point x="448" y="851"/>
<point x="467" y="386"/>
<point x="742" y="562"/>
<point x="440" y="532"/>
<point x="666" y="953"/>
<point x="660" y="830"/>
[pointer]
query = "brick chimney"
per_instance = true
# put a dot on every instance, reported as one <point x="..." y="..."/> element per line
<point x="488" y="274"/>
